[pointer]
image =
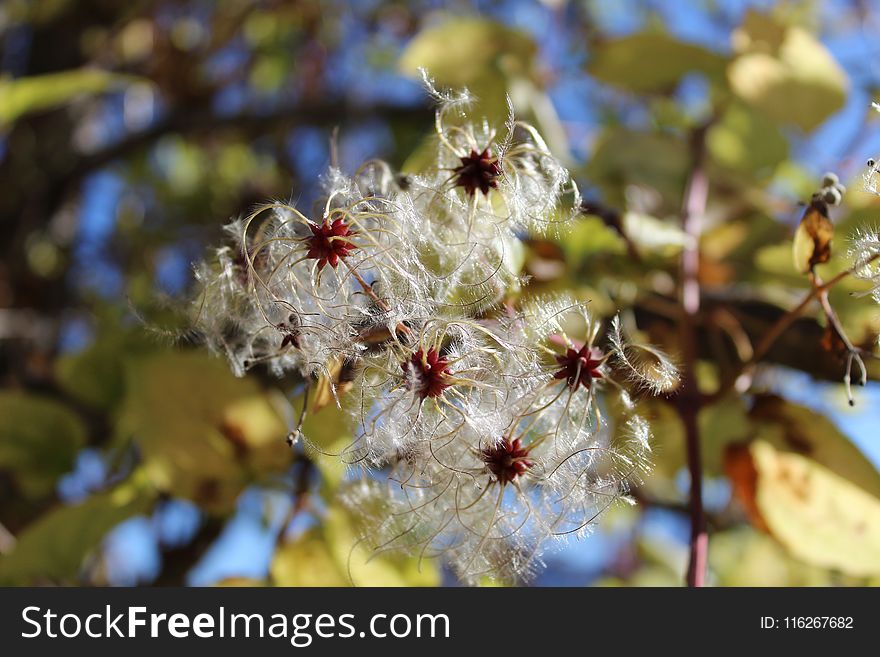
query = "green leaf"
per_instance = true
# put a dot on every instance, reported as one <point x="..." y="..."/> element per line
<point x="306" y="561"/>
<point x="786" y="73"/>
<point x="817" y="515"/>
<point x="479" y="54"/>
<point x="589" y="236"/>
<point x="623" y="158"/>
<point x="96" y="375"/>
<point x="32" y="94"/>
<point x="721" y="424"/>
<point x="776" y="259"/>
<point x="652" y="62"/>
<point x="366" y="569"/>
<point x="39" y="440"/>
<point x="745" y="557"/>
<point x="203" y="433"/>
<point x="747" y="141"/>
<point x="327" y="433"/>
<point x="330" y="555"/>
<point x="53" y="548"/>
<point x="653" y="235"/>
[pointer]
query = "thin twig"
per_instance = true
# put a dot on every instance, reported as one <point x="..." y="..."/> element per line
<point x="853" y="353"/>
<point x="368" y="290"/>
<point x="743" y="378"/>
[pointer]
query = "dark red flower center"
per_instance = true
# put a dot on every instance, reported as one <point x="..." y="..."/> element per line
<point x="428" y="375"/>
<point x="478" y="171"/>
<point x="289" y="331"/>
<point x="506" y="459"/>
<point x="330" y="242"/>
<point x="579" y="367"/>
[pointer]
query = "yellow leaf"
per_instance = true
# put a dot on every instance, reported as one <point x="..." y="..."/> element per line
<point x="326" y="435"/>
<point x="745" y="557"/>
<point x="333" y="383"/>
<point x="818" y="516"/>
<point x="366" y="569"/>
<point x="794" y="428"/>
<point x="306" y="561"/>
<point x="246" y="582"/>
<point x="649" y="576"/>
<point x="202" y="432"/>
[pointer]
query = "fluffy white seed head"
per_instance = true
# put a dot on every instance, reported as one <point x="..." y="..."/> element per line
<point x="479" y="434"/>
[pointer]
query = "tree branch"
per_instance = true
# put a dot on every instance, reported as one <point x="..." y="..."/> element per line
<point x="819" y="290"/>
<point x="693" y="209"/>
<point x="206" y="121"/>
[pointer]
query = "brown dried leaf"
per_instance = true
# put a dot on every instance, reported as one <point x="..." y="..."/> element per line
<point x="812" y="241"/>
<point x="331" y="384"/>
<point x="744" y="481"/>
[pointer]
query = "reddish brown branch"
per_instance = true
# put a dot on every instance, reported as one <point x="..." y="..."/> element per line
<point x="693" y="209"/>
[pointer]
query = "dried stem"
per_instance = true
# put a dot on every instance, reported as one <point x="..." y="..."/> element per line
<point x="368" y="290"/>
<point x="853" y="353"/>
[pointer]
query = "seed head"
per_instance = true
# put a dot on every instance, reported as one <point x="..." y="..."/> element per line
<point x="580" y="367"/>
<point x="478" y="171"/>
<point x="506" y="459"/>
<point x="330" y="242"/>
<point x="430" y="371"/>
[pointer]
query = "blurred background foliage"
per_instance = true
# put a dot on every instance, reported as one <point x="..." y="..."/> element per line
<point x="130" y="131"/>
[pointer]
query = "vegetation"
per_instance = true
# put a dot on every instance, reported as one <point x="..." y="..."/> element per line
<point x="657" y="194"/>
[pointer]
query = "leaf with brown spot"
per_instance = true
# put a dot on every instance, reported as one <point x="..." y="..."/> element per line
<point x="817" y="515"/>
<point x="794" y="428"/>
